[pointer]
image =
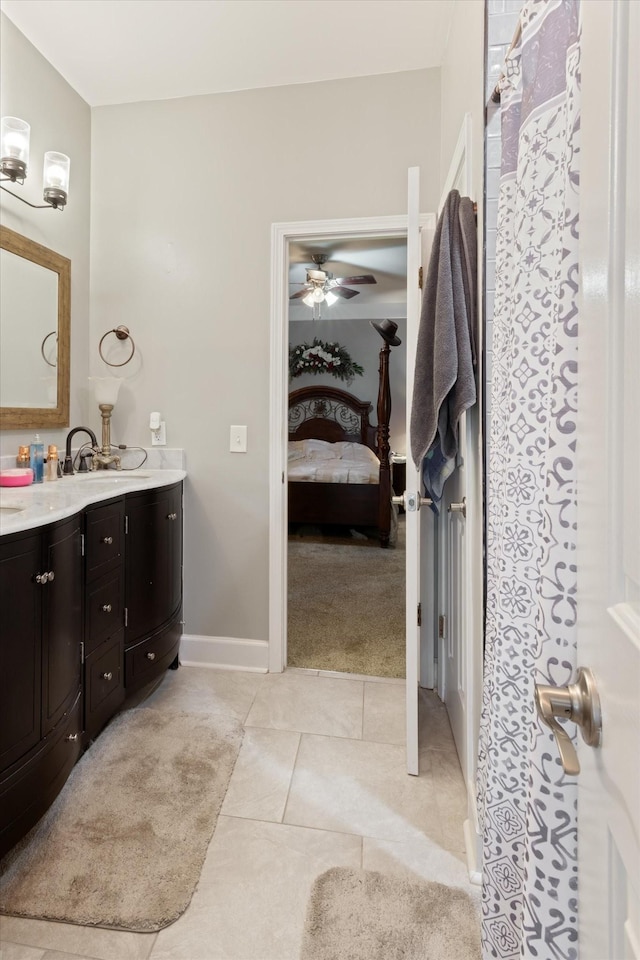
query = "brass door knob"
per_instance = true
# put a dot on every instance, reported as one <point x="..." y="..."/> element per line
<point x="577" y="701"/>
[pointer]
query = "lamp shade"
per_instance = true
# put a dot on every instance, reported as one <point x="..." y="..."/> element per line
<point x="55" y="177"/>
<point x="106" y="389"/>
<point x="14" y="141"/>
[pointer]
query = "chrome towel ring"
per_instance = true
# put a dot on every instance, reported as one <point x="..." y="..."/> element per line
<point x="122" y="333"/>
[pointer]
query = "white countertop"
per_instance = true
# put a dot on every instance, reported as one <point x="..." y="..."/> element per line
<point x="23" y="508"/>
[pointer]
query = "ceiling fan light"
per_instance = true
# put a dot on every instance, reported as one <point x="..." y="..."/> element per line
<point x="330" y="298"/>
<point x="318" y="295"/>
<point x="308" y="299"/>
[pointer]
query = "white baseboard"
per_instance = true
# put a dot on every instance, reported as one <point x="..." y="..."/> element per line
<point x="472" y="847"/>
<point x="224" y="653"/>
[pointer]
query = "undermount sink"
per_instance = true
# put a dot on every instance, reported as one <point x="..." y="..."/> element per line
<point x="111" y="476"/>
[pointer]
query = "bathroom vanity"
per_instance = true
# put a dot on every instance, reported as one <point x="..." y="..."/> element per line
<point x="91" y="600"/>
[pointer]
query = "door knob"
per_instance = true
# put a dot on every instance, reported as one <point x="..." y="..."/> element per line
<point x="459" y="507"/>
<point x="577" y="701"/>
<point x="411" y="501"/>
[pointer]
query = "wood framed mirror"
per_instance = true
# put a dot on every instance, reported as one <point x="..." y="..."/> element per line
<point x="35" y="334"/>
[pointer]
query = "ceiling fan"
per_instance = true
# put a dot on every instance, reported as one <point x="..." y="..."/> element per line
<point x="322" y="287"/>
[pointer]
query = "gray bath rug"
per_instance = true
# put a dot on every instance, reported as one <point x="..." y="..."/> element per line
<point x="124" y="843"/>
<point x="365" y="915"/>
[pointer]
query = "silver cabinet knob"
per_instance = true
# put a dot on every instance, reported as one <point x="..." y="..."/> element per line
<point x="172" y="516"/>
<point x="459" y="507"/>
<point x="151" y="656"/>
<point x="107" y="540"/>
<point x="71" y="738"/>
<point x="42" y="578"/>
<point x="107" y="676"/>
<point x="577" y="701"/>
<point x="106" y="608"/>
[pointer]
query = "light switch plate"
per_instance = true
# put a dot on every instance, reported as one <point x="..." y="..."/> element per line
<point x="238" y="439"/>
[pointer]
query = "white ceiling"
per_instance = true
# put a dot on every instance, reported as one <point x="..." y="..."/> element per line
<point x="122" y="51"/>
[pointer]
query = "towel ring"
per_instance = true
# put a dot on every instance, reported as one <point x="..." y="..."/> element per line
<point x="122" y="333"/>
<point x="52" y="334"/>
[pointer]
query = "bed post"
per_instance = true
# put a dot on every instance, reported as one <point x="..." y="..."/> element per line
<point x="384" y="415"/>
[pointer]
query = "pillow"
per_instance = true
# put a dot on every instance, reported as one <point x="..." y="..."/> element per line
<point x="296" y="451"/>
<point x="356" y="452"/>
<point x="319" y="450"/>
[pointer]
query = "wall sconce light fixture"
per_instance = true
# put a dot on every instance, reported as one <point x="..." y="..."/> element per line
<point x="14" y="160"/>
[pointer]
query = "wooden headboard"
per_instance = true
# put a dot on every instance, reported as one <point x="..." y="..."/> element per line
<point x="327" y="413"/>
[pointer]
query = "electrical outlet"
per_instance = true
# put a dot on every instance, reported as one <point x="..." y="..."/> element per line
<point x="159" y="435"/>
<point x="238" y="439"/>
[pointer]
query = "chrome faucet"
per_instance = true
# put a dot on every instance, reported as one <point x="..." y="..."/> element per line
<point x="67" y="469"/>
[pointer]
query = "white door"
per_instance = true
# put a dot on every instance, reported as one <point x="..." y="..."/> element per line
<point x="413" y="515"/>
<point x="609" y="480"/>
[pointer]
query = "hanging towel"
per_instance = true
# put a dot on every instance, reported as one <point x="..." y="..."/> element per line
<point x="444" y="383"/>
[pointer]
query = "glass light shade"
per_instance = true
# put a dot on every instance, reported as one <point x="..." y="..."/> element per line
<point x="318" y="295"/>
<point x="14" y="140"/>
<point x="56" y="176"/>
<point x="308" y="299"/>
<point x="330" y="298"/>
<point x="106" y="388"/>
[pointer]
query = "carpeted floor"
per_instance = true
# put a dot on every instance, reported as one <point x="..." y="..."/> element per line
<point x="346" y="603"/>
<point x="124" y="843"/>
<point x="365" y="915"/>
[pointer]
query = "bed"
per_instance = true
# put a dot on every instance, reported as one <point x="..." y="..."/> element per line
<point x="339" y="470"/>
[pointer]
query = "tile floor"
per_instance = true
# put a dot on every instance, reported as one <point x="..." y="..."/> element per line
<point x="319" y="782"/>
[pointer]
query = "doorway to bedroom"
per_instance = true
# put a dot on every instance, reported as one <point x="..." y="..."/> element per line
<point x="346" y="426"/>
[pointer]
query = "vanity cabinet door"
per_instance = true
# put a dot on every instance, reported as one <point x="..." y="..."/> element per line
<point x="61" y="621"/>
<point x="20" y="645"/>
<point x="154" y="560"/>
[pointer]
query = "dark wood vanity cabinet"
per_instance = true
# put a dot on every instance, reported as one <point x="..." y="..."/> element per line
<point x="153" y="583"/>
<point x="40" y="670"/>
<point x="78" y="634"/>
<point x="103" y="614"/>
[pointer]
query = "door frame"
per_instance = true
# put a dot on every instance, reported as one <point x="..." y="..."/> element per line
<point x="281" y="235"/>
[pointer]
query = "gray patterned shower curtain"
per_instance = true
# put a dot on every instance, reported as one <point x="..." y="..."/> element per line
<point x="527" y="803"/>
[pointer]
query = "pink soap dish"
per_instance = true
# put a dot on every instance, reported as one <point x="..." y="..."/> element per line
<point x="18" y="477"/>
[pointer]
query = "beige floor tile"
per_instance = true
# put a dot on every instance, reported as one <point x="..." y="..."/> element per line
<point x="81" y="941"/>
<point x="293" y="701"/>
<point x="251" y="900"/>
<point x="203" y="690"/>
<point x="384" y="713"/>
<point x="420" y="859"/>
<point x="56" y="955"/>
<point x="434" y="727"/>
<point x="17" y="951"/>
<point x="259" y="786"/>
<point x="360" y="787"/>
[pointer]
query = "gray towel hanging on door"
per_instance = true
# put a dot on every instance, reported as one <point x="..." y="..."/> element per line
<point x="444" y="383"/>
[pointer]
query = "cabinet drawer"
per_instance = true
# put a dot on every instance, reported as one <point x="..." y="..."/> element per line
<point x="104" y="538"/>
<point x="152" y="657"/>
<point x="103" y="610"/>
<point x="32" y="788"/>
<point x="104" y="684"/>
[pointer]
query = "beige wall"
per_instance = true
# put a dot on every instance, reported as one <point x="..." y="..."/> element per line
<point x="462" y="87"/>
<point x="184" y="193"/>
<point x="60" y="120"/>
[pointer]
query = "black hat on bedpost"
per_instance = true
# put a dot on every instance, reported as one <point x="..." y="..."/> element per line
<point x="387" y="330"/>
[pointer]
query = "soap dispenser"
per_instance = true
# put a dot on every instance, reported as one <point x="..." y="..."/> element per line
<point x="36" y="453"/>
<point x="52" y="462"/>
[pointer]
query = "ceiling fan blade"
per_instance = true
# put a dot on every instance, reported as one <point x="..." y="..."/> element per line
<point x="300" y="293"/>
<point x="344" y="292"/>
<point x="363" y="278"/>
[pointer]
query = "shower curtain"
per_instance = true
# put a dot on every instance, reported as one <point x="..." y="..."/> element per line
<point x="527" y="803"/>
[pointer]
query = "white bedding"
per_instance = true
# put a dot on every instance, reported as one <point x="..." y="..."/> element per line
<point x="322" y="462"/>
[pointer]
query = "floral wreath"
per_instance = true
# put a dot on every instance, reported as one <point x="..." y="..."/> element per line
<point x="320" y="357"/>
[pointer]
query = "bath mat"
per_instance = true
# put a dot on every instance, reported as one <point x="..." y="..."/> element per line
<point x="365" y="915"/>
<point x="123" y="844"/>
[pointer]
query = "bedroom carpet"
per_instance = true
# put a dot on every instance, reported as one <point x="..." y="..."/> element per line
<point x="365" y="915"/>
<point x="346" y="604"/>
<point x="124" y="843"/>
